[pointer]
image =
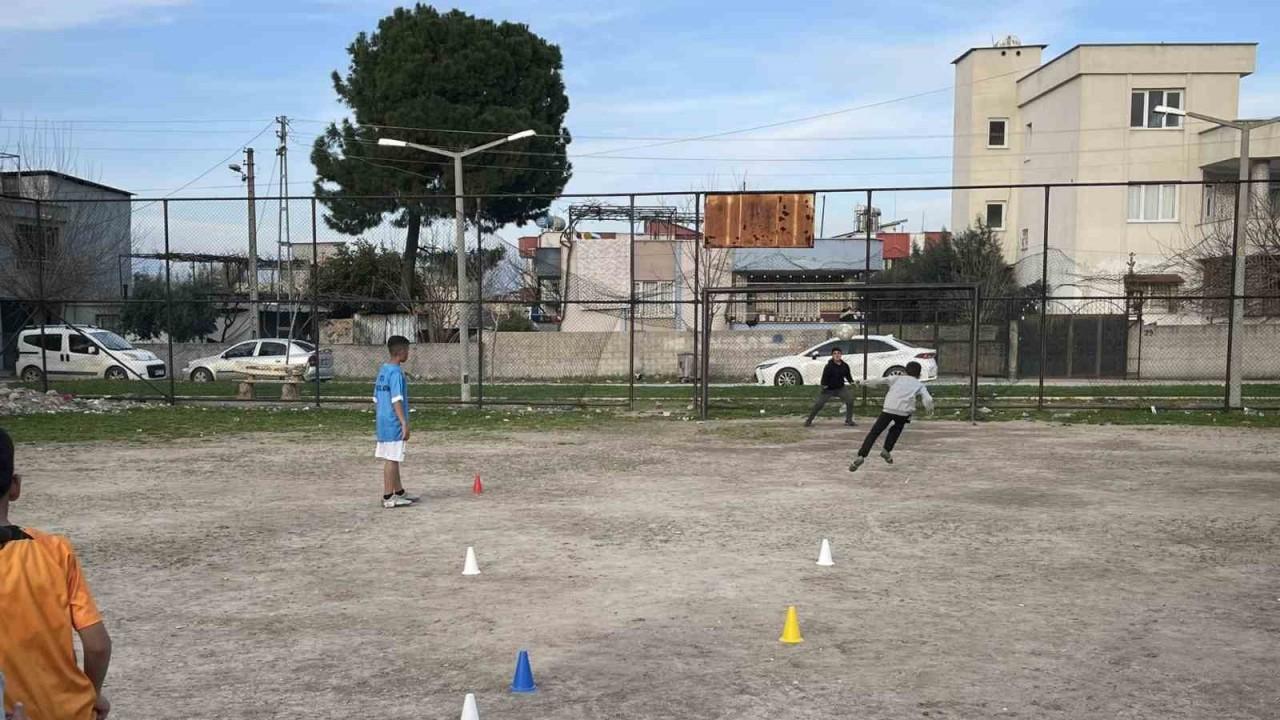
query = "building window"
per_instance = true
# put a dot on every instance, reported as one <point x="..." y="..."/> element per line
<point x="995" y="216"/>
<point x="1024" y="241"/>
<point x="655" y="299"/>
<point x="107" y="322"/>
<point x="1143" y="104"/>
<point x="1157" y="293"/>
<point x="997" y="133"/>
<point x="1153" y="203"/>
<point x="34" y="244"/>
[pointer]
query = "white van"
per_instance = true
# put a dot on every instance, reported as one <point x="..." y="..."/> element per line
<point x="89" y="352"/>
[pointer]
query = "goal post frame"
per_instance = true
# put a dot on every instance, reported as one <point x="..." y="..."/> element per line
<point x="972" y="290"/>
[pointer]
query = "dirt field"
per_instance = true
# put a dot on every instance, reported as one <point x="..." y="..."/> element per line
<point x="1012" y="570"/>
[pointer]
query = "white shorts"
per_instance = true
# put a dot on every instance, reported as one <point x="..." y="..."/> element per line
<point x="393" y="451"/>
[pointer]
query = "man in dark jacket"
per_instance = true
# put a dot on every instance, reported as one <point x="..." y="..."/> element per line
<point x="834" y="377"/>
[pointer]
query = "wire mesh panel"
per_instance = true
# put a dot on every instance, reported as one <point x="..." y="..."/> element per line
<point x="1090" y="295"/>
<point x="769" y="352"/>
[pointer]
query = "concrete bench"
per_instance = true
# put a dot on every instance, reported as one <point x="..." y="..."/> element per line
<point x="289" y="377"/>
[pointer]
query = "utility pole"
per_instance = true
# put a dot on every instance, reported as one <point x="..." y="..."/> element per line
<point x="284" y="240"/>
<point x="253" y="245"/>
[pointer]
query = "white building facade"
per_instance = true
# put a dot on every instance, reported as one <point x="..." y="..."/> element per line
<point x="1088" y="116"/>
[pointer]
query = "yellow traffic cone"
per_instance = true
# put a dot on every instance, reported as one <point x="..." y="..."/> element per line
<point x="791" y="628"/>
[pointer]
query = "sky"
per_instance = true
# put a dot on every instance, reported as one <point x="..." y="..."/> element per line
<point x="157" y="96"/>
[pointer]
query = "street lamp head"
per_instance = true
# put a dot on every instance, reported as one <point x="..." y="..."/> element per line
<point x="521" y="135"/>
<point x="1166" y="110"/>
<point x="392" y="142"/>
<point x="234" y="167"/>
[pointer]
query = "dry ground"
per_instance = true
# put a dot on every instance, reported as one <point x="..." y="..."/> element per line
<point x="1011" y="570"/>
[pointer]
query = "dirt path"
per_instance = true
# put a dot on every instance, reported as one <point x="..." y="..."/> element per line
<point x="1017" y="570"/>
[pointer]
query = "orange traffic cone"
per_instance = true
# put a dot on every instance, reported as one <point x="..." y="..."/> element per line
<point x="477" y="487"/>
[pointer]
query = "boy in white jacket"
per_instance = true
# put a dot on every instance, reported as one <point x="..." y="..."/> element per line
<point x="899" y="405"/>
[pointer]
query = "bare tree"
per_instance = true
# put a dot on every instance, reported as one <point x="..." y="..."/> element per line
<point x="1202" y="257"/>
<point x="60" y="241"/>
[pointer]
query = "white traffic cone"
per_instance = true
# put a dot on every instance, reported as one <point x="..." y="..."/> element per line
<point x="469" y="711"/>
<point x="824" y="554"/>
<point x="470" y="567"/>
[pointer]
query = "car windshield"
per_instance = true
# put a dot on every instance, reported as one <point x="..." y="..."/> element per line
<point x="305" y="345"/>
<point x="111" y="341"/>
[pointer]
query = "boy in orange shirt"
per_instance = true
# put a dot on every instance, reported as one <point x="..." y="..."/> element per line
<point x="43" y="597"/>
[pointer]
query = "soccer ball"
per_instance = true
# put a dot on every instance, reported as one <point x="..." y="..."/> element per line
<point x="845" y="331"/>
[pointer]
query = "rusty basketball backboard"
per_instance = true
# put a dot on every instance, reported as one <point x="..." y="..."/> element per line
<point x="738" y="220"/>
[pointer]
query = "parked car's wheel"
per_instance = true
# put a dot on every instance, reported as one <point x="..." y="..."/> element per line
<point x="201" y="375"/>
<point x="32" y="374"/>
<point x="788" y="376"/>
<point x="895" y="371"/>
<point x="115" y="372"/>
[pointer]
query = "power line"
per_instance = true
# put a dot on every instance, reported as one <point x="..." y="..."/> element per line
<point x="819" y="116"/>
<point x="813" y="139"/>
<point x="216" y="165"/>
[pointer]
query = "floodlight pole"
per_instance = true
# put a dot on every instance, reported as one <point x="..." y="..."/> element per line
<point x="1239" y="248"/>
<point x="460" y="240"/>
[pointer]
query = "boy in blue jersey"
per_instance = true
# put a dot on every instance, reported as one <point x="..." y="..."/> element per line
<point x="391" y="397"/>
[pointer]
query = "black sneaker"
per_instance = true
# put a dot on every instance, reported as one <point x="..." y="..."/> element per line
<point x="808" y="423"/>
<point x="850" y="423"/>
<point x="887" y="457"/>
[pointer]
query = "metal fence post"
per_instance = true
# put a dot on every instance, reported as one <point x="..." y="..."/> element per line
<point x="43" y="302"/>
<point x="480" y="311"/>
<point x="865" y="303"/>
<point x="1231" y="313"/>
<point x="315" y="293"/>
<point x="631" y="276"/>
<point x="697" y="283"/>
<point x="705" y="370"/>
<point x="1044" y="300"/>
<point x="974" y="332"/>
<point x="168" y="306"/>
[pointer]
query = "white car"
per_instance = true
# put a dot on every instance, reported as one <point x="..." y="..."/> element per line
<point x="886" y="356"/>
<point x="232" y="362"/>
<point x="83" y="352"/>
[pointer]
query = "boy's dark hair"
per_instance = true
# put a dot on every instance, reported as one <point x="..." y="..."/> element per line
<point x="396" y="343"/>
<point x="913" y="369"/>
<point x="6" y="462"/>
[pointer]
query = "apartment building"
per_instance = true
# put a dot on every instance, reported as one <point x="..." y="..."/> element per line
<point x="1089" y="116"/>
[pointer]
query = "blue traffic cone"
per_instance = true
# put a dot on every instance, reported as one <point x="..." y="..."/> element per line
<point x="522" y="681"/>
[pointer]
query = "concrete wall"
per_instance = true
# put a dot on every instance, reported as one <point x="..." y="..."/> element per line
<point x="1168" y="352"/>
<point x="585" y="355"/>
<point x="1199" y="352"/>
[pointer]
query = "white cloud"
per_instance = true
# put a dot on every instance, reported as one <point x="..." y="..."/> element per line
<point x="63" y="14"/>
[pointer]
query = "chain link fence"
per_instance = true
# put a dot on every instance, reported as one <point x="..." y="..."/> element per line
<point x="1086" y="295"/>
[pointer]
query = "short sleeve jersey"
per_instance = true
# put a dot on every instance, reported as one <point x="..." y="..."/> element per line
<point x="43" y="599"/>
<point x="389" y="388"/>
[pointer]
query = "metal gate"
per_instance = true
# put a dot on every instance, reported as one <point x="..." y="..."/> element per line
<point x="1077" y="345"/>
